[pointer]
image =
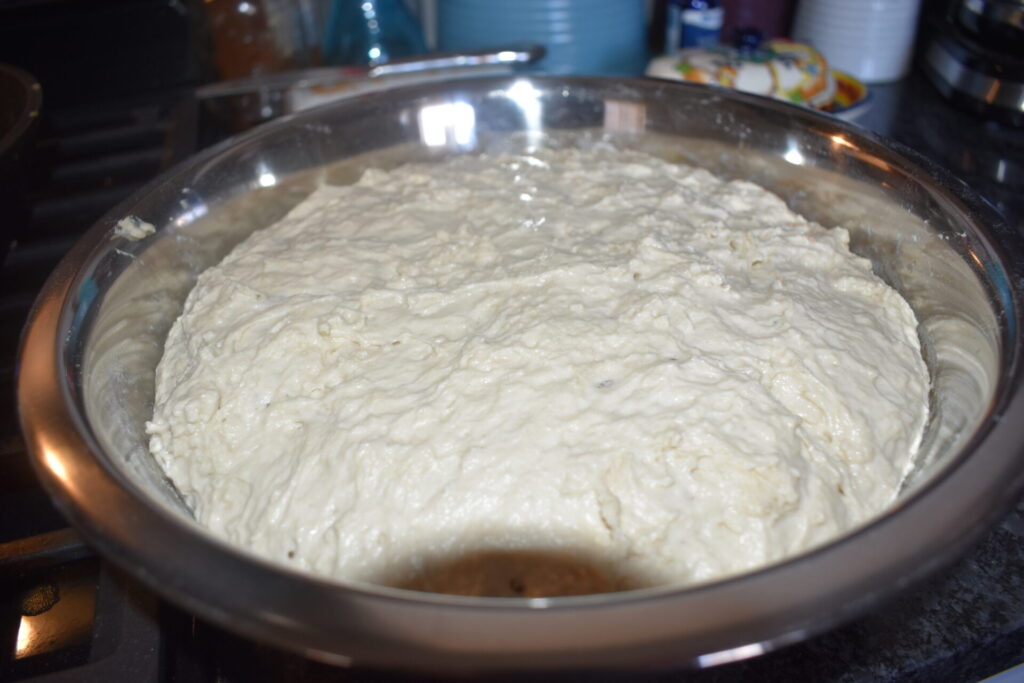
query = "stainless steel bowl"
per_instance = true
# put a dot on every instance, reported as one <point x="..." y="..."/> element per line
<point x="86" y="381"/>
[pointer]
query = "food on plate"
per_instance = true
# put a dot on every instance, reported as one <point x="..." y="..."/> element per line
<point x="636" y="370"/>
<point x="779" y="69"/>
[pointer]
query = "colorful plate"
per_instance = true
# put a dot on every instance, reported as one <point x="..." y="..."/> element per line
<point x="852" y="97"/>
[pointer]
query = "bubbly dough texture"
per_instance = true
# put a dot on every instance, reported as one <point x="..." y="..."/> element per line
<point x="594" y="352"/>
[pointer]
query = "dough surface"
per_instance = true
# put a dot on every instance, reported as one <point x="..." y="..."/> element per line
<point x="595" y="354"/>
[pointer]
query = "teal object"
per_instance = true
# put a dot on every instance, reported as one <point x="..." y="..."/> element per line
<point x="589" y="37"/>
<point x="370" y="32"/>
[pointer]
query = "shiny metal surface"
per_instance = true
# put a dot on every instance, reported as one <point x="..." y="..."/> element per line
<point x="951" y="73"/>
<point x="326" y="76"/>
<point x="86" y="381"/>
<point x="1007" y="12"/>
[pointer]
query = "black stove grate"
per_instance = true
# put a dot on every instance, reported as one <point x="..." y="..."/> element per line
<point x="65" y="614"/>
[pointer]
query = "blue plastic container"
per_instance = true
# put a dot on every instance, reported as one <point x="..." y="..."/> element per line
<point x="594" y="37"/>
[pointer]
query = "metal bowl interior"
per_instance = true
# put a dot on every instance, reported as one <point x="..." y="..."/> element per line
<point x="86" y="382"/>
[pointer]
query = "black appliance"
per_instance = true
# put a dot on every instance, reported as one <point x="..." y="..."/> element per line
<point x="975" y="56"/>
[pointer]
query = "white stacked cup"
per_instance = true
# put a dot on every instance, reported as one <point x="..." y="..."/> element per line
<point x="872" y="40"/>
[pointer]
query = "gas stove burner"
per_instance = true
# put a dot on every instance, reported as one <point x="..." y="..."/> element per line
<point x="985" y="79"/>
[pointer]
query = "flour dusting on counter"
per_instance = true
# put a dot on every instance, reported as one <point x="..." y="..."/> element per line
<point x="587" y="352"/>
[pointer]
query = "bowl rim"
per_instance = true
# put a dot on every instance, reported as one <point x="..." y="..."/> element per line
<point x="113" y="514"/>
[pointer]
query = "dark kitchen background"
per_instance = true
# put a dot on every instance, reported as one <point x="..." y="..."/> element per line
<point x="118" y="82"/>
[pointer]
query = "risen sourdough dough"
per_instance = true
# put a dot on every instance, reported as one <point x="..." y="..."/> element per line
<point x="595" y="353"/>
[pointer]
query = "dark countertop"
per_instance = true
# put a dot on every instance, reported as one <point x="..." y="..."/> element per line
<point x="988" y="156"/>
